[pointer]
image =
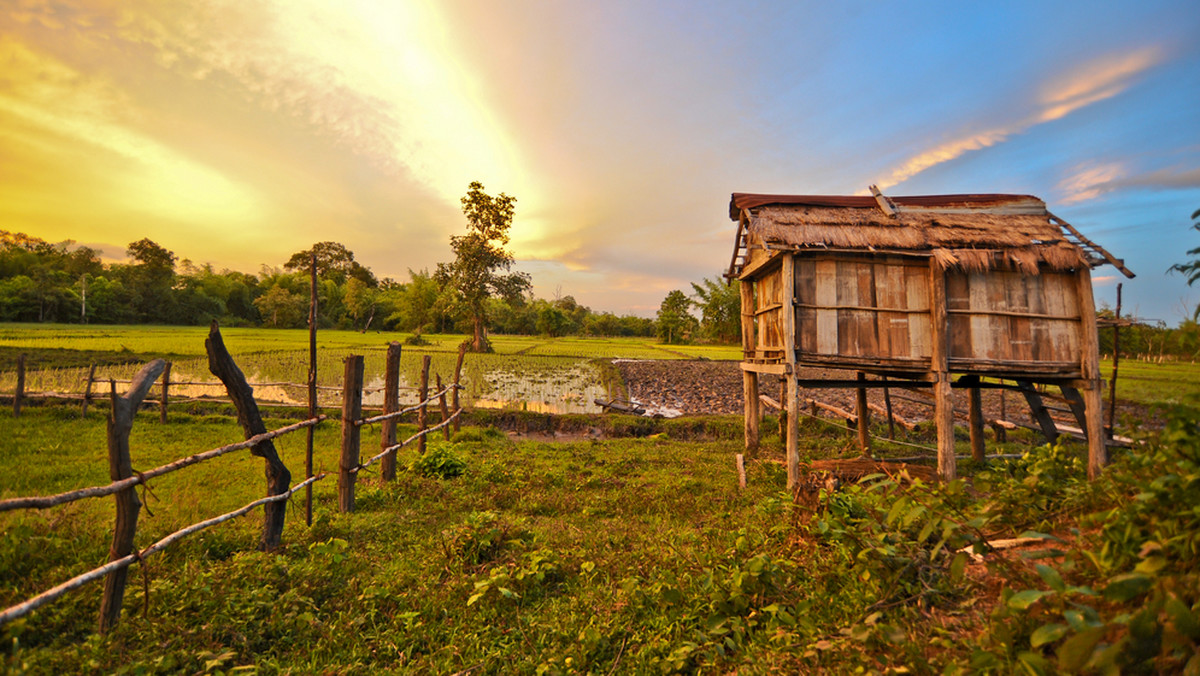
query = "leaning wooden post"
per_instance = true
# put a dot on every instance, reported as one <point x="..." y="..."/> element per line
<point x="87" y="390"/>
<point x="279" y="479"/>
<point x="444" y="409"/>
<point x="351" y="412"/>
<point x="162" y="403"/>
<point x="864" y="416"/>
<point x="20" y="393"/>
<point x="887" y="402"/>
<point x="462" y="351"/>
<point x="749" y="378"/>
<point x="939" y="372"/>
<point x="422" y="412"/>
<point x="975" y="422"/>
<point x="1089" y="348"/>
<point x="120" y="466"/>
<point x="391" y="404"/>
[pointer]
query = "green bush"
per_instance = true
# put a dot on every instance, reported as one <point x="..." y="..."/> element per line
<point x="439" y="462"/>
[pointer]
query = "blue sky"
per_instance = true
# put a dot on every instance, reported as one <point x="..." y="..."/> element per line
<point x="240" y="132"/>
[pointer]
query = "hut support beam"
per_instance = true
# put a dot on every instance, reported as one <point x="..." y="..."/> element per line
<point x="789" y="344"/>
<point x="749" y="378"/>
<point x="940" y="372"/>
<point x="1090" y="366"/>
<point x="864" y="416"/>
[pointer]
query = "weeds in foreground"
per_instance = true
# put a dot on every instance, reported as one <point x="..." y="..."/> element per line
<point x="641" y="556"/>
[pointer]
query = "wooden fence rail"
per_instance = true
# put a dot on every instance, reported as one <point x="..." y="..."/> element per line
<point x="22" y="609"/>
<point x="43" y="502"/>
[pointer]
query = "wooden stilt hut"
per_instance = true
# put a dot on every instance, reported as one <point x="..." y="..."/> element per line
<point x="933" y="291"/>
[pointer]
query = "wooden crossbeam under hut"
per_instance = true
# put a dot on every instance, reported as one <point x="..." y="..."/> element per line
<point x="940" y="290"/>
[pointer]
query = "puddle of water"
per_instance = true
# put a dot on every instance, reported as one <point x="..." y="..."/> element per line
<point x="557" y="386"/>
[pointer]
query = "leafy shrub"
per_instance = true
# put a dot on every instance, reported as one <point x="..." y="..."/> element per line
<point x="439" y="462"/>
<point x="481" y="537"/>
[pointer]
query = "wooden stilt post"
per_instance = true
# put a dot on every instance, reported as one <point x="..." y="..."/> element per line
<point x="864" y="416"/>
<point x="422" y="412"/>
<point x="279" y="479"/>
<point x="975" y="421"/>
<point x="166" y="385"/>
<point x="120" y="466"/>
<point x="783" y="411"/>
<point x="351" y="412"/>
<point x="20" y="391"/>
<point x="1089" y="347"/>
<point x="788" y="282"/>
<point x="1001" y="433"/>
<point x="751" y="404"/>
<point x="940" y="372"/>
<point x="462" y="351"/>
<point x="312" y="383"/>
<point x="87" y="390"/>
<point x="887" y="403"/>
<point x="391" y="404"/>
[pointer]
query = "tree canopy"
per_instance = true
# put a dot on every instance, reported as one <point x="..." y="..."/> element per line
<point x="481" y="261"/>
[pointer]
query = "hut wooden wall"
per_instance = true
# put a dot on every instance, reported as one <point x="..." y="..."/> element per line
<point x="875" y="310"/>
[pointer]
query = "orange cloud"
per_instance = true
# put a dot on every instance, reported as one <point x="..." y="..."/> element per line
<point x="1096" y="81"/>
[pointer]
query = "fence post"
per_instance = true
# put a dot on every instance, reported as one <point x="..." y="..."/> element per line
<point x="162" y="404"/>
<point x="20" y="393"/>
<point x="462" y="350"/>
<point x="87" y="390"/>
<point x="279" y="479"/>
<point x="391" y="404"/>
<point x="422" y="395"/>
<point x="312" y="384"/>
<point x="442" y="406"/>
<point x="120" y="466"/>
<point x="351" y="412"/>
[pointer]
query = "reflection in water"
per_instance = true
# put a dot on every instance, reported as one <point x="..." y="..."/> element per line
<point x="544" y="386"/>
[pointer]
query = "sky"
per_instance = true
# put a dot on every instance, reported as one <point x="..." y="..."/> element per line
<point x="238" y="132"/>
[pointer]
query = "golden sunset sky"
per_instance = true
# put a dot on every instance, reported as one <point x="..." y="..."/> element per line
<point x="240" y="132"/>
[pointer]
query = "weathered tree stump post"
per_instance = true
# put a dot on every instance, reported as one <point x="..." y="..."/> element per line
<point x="279" y="479"/>
<point x="462" y="351"/>
<point x="391" y="404"/>
<point x="162" y="403"/>
<point x="120" y="466"/>
<point x="87" y="390"/>
<point x="20" y="392"/>
<point x="422" y="395"/>
<point x="444" y="409"/>
<point x="351" y="412"/>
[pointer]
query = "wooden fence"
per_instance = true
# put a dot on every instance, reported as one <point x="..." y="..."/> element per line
<point x="125" y="480"/>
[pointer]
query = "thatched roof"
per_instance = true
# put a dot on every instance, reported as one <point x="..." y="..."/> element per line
<point x="969" y="232"/>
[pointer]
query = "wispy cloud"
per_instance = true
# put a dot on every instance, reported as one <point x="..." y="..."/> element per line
<point x="1096" y="81"/>
<point x="1088" y="182"/>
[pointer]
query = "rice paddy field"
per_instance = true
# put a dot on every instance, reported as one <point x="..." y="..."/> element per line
<point x="524" y="372"/>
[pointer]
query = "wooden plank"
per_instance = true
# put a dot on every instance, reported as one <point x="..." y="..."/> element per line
<point x="1019" y="333"/>
<point x="998" y="328"/>
<point x="749" y="339"/>
<point x="847" y="294"/>
<point x="959" y="330"/>
<point x="806" y="294"/>
<point x="789" y="325"/>
<point x="1038" y="411"/>
<point x="826" y="294"/>
<point x="916" y="286"/>
<point x="892" y="294"/>
<point x="751" y="410"/>
<point x="866" y="321"/>
<point x="351" y="432"/>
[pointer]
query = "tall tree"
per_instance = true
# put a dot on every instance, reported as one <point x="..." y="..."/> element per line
<point x="1191" y="269"/>
<point x="674" y="321"/>
<point x="334" y="261"/>
<point x="150" y="279"/>
<point x="720" y="309"/>
<point x="480" y="259"/>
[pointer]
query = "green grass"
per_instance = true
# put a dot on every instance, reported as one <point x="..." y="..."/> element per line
<point x="1149" y="383"/>
<point x="627" y="555"/>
